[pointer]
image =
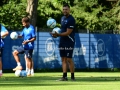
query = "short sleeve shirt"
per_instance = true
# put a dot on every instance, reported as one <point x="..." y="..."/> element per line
<point x="28" y="33"/>
<point x="68" y="22"/>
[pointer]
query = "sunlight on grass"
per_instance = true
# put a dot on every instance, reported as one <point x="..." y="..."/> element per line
<point x="47" y="81"/>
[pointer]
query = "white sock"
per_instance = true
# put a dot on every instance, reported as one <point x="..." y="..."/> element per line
<point x="28" y="71"/>
<point x="32" y="70"/>
<point x="19" y="64"/>
<point x="0" y="71"/>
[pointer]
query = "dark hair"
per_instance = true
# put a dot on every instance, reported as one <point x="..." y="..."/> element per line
<point x="25" y="19"/>
<point x="66" y="5"/>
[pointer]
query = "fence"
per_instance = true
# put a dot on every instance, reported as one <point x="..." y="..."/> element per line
<point x="91" y="51"/>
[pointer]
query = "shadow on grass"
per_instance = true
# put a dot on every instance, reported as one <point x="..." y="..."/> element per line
<point x="51" y="81"/>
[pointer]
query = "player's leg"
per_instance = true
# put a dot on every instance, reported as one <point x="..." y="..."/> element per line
<point x="71" y="66"/>
<point x="69" y="52"/>
<point x="32" y="69"/>
<point x="29" y="65"/>
<point x="1" y="61"/>
<point x="64" y="62"/>
<point x="26" y="63"/>
<point x="29" y="61"/>
<point x="20" y="50"/>
<point x="64" y="66"/>
<point x="0" y="67"/>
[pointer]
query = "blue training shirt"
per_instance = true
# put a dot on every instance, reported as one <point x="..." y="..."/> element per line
<point x="28" y="33"/>
<point x="68" y="22"/>
<point x="3" y="29"/>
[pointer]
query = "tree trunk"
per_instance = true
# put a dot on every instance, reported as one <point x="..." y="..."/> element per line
<point x="32" y="10"/>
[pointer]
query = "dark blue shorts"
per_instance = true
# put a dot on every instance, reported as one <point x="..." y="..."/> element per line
<point x="28" y="52"/>
<point x="66" y="50"/>
<point x="1" y="52"/>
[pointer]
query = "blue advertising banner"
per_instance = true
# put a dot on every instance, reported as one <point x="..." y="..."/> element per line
<point x="90" y="51"/>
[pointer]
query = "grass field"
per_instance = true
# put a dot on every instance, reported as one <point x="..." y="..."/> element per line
<point x="47" y="81"/>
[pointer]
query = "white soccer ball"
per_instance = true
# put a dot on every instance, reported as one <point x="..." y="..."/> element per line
<point x="51" y="23"/>
<point x="14" y="35"/>
<point x="17" y="73"/>
<point x="20" y="73"/>
<point x="1" y="33"/>
<point x="56" y="29"/>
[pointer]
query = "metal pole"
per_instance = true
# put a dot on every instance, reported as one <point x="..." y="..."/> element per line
<point x="89" y="48"/>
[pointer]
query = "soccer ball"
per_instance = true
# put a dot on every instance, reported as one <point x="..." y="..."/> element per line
<point x="20" y="73"/>
<point x="51" y="23"/>
<point x="17" y="73"/>
<point x="14" y="35"/>
<point x="23" y="73"/>
<point x="1" y="33"/>
<point x="56" y="29"/>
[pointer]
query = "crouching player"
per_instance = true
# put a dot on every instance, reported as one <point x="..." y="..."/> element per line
<point x="27" y="47"/>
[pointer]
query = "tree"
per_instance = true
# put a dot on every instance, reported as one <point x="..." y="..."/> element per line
<point x="32" y="11"/>
<point x="12" y="11"/>
<point x="11" y="14"/>
<point x="95" y="15"/>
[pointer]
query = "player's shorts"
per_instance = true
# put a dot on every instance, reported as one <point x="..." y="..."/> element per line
<point x="27" y="52"/>
<point x="66" y="50"/>
<point x="1" y="51"/>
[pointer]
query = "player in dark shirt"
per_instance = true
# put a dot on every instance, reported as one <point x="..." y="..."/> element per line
<point x="67" y="42"/>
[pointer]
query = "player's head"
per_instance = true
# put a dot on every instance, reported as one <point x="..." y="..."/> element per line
<point x="66" y="9"/>
<point x="25" y="21"/>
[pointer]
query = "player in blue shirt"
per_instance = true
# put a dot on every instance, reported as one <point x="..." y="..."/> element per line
<point x="67" y="42"/>
<point x="3" y="33"/>
<point x="27" y="47"/>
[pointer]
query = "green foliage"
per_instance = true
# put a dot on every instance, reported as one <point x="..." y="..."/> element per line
<point x="12" y="13"/>
<point x="46" y="9"/>
<point x="89" y="14"/>
<point x="95" y="15"/>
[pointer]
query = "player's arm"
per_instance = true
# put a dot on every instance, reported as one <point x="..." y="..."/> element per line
<point x="70" y="27"/>
<point x="68" y="32"/>
<point x="19" y="36"/>
<point x="31" y="40"/>
<point x="5" y="31"/>
<point x="5" y="34"/>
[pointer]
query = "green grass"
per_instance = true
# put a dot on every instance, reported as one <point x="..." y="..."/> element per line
<point x="47" y="81"/>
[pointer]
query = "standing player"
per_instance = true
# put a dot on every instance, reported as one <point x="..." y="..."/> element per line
<point x="2" y="29"/>
<point x="67" y="42"/>
<point x="27" y="47"/>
